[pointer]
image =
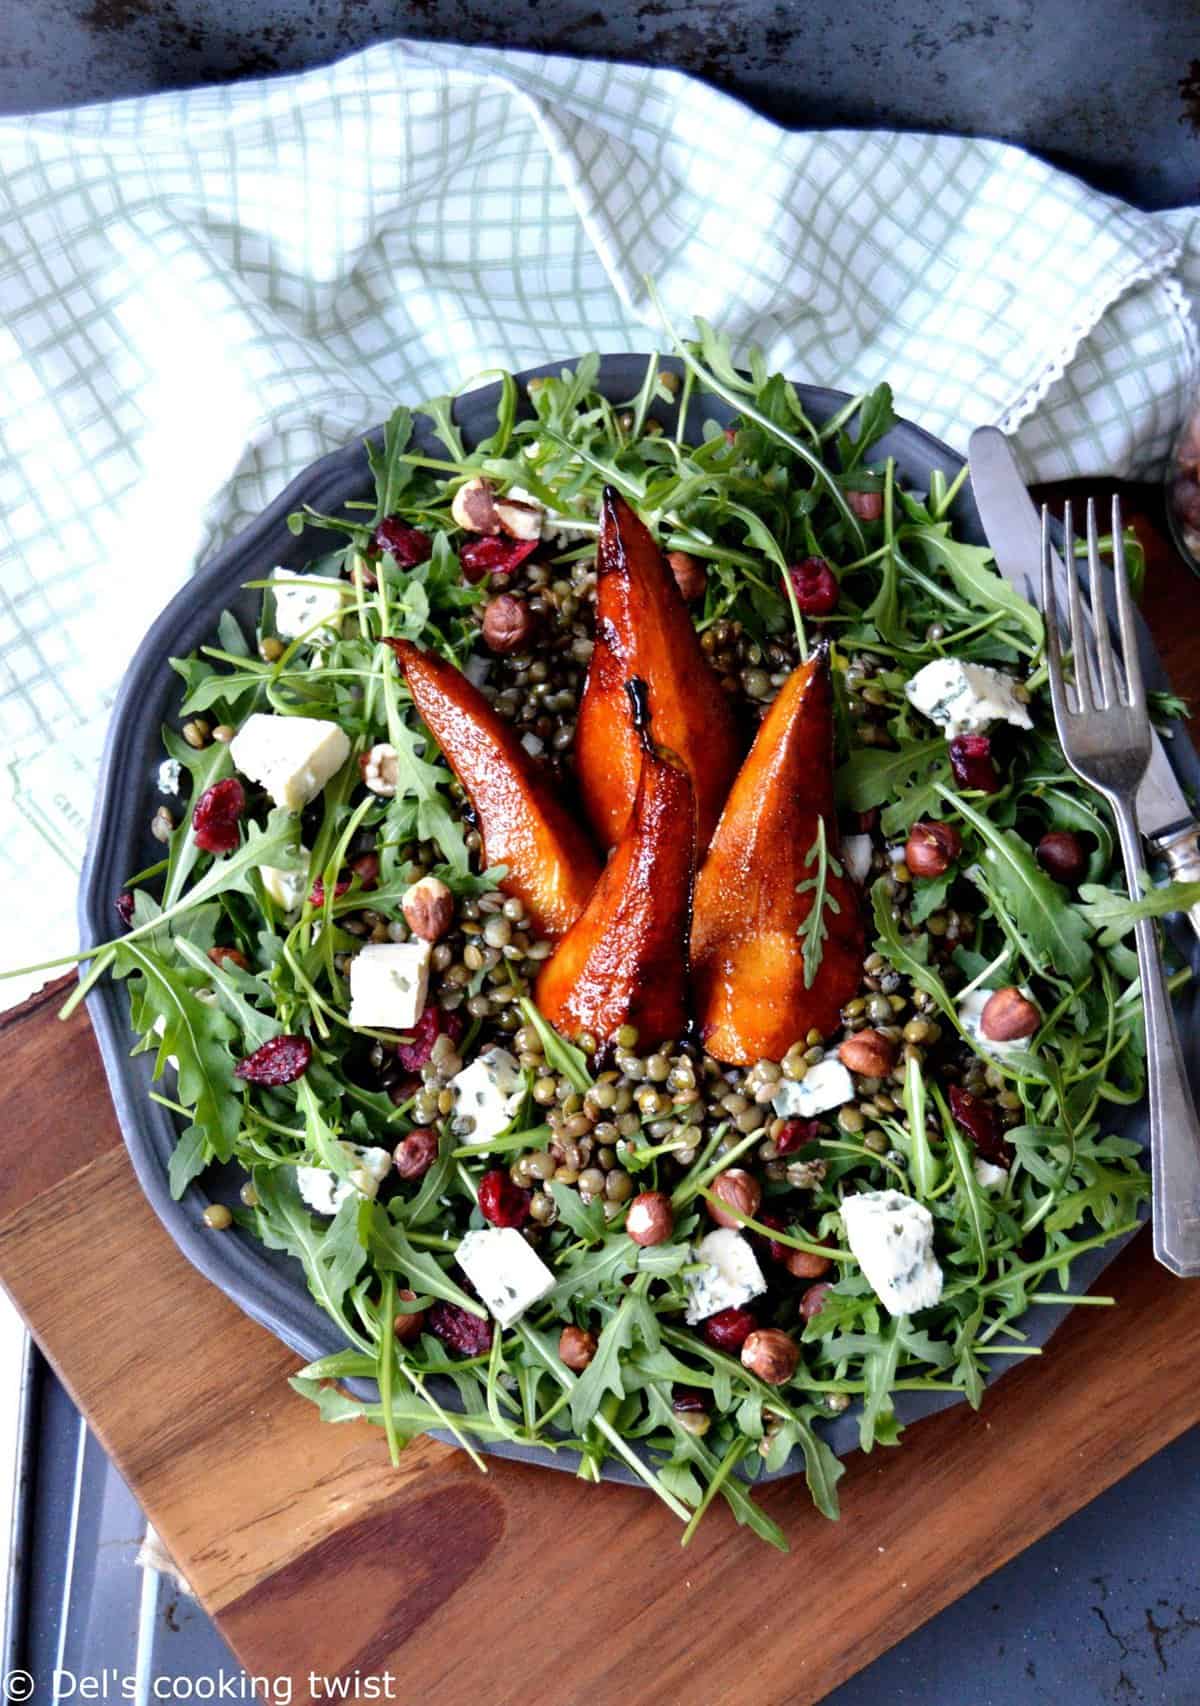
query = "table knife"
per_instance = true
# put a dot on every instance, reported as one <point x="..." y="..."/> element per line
<point x="1014" y="531"/>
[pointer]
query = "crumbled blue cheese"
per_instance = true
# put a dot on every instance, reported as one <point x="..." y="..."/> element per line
<point x="963" y="698"/>
<point x="325" y="1192"/>
<point x="293" y="757"/>
<point x="857" y="851"/>
<point x="169" y="773"/>
<point x="826" y="1085"/>
<point x="891" y="1238"/>
<point x="388" y="985"/>
<point x="729" y="1277"/>
<point x="488" y="1094"/>
<point x="970" y="1013"/>
<point x="286" y="888"/>
<point x="988" y="1177"/>
<point x="505" y="1270"/>
<point x="302" y="602"/>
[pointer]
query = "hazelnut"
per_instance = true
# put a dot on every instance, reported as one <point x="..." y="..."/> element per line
<point x="771" y="1355"/>
<point x="219" y="955"/>
<point x="813" y="1300"/>
<point x="802" y="1264"/>
<point x="741" y="1190"/>
<point x="507" y="624"/>
<point x="868" y="1053"/>
<point x="408" y="1327"/>
<point x="867" y="506"/>
<point x="519" y="519"/>
<point x="380" y="770"/>
<point x="690" y="576"/>
<point x="576" y="1348"/>
<point x="1061" y="855"/>
<point x="474" y="507"/>
<point x="428" y="908"/>
<point x="415" y="1154"/>
<point x="931" y="848"/>
<point x="651" y="1219"/>
<point x="1007" y="1016"/>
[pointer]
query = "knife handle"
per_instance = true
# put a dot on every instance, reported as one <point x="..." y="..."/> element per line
<point x="1181" y="851"/>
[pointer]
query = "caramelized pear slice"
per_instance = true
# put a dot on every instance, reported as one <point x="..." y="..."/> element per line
<point x="643" y="629"/>
<point x="552" y="865"/>
<point x="756" y="889"/>
<point x="624" y="960"/>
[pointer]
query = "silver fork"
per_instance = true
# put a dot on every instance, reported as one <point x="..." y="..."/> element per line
<point x="1106" y="739"/>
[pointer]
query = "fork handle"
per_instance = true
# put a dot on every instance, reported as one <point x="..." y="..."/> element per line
<point x="1174" y="1128"/>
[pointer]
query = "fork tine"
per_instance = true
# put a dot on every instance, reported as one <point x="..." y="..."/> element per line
<point x="1105" y="679"/>
<point x="1058" y="692"/>
<point x="1079" y="649"/>
<point x="1129" y="645"/>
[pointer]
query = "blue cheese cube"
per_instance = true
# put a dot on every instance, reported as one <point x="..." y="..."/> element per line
<point x="963" y="698"/>
<point x="302" y="602"/>
<point x="488" y="1094"/>
<point x="293" y="757"/>
<point x="891" y="1238"/>
<point x="388" y="985"/>
<point x="826" y="1085"/>
<point x="505" y="1270"/>
<point x="730" y="1276"/>
<point x="325" y="1191"/>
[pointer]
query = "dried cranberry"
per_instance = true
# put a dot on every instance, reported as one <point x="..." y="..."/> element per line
<point x="813" y="1300"/>
<point x="971" y="762"/>
<point x="794" y="1134"/>
<point x="459" y="1330"/>
<point x="406" y="545"/>
<point x="685" y="1399"/>
<point x="502" y="1202"/>
<point x="488" y="556"/>
<point x="280" y="1061"/>
<point x="815" y="586"/>
<point x="316" y="895"/>
<point x="215" y="819"/>
<point x="770" y="1246"/>
<point x="433" y="1023"/>
<point x="124" y="906"/>
<point x="981" y="1123"/>
<point x="729" y="1329"/>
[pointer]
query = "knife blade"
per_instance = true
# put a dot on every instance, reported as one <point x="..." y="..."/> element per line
<point x="1014" y="531"/>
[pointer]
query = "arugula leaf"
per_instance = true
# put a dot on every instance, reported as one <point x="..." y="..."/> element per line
<point x="971" y="569"/>
<point x="392" y="1252"/>
<point x="197" y="1033"/>
<point x="332" y="1257"/>
<point x="190" y="1156"/>
<point x="633" y="1320"/>
<point x="586" y="1273"/>
<point x="873" y="775"/>
<point x="561" y="1056"/>
<point x="1053" y="934"/>
<point x="586" y="1220"/>
<point x="386" y="459"/>
<point x="1113" y="915"/>
<point x="815" y="928"/>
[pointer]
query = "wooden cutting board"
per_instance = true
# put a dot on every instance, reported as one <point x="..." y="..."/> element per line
<point x="523" y="1585"/>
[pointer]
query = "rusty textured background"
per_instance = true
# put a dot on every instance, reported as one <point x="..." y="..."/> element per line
<point x="1109" y="88"/>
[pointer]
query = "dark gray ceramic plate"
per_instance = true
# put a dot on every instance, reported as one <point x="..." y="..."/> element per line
<point x="267" y="1285"/>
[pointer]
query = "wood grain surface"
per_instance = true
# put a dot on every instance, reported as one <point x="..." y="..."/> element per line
<point x="524" y="1585"/>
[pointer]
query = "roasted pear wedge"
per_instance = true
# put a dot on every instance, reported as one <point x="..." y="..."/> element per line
<point x="552" y="865"/>
<point x="643" y="629"/>
<point x="624" y="960"/>
<point x="756" y="889"/>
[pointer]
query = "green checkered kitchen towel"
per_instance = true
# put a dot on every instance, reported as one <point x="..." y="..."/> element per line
<point x="201" y="293"/>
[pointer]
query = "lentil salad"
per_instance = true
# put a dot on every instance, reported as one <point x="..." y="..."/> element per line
<point x="598" y="1363"/>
